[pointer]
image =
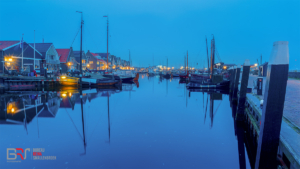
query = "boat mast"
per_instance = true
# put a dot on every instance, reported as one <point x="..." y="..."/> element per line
<point x="207" y="54"/>
<point x="107" y="43"/>
<point x="129" y="58"/>
<point x="212" y="56"/>
<point x="80" y="48"/>
<point x="187" y="62"/>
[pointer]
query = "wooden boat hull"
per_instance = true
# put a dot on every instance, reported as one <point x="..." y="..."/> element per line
<point x="127" y="79"/>
<point x="209" y="85"/>
<point x="167" y="76"/>
<point x="183" y="77"/>
<point x="209" y="90"/>
<point x="108" y="83"/>
<point x="136" y="77"/>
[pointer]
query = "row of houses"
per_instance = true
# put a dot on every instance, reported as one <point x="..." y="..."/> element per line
<point x="16" y="55"/>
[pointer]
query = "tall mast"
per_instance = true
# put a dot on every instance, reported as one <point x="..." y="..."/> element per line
<point x="129" y="58"/>
<point x="212" y="55"/>
<point x="22" y="51"/>
<point x="207" y="54"/>
<point x="187" y="62"/>
<point x="34" y="52"/>
<point x="107" y="43"/>
<point x="80" y="48"/>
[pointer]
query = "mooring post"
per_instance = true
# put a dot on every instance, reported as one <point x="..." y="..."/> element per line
<point x="233" y="71"/>
<point x="273" y="105"/>
<point x="236" y="82"/>
<point x="243" y="91"/>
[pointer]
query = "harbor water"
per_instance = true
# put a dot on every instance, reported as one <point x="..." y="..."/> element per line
<point x="155" y="123"/>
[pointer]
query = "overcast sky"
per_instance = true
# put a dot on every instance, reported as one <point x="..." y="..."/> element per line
<point x="159" y="29"/>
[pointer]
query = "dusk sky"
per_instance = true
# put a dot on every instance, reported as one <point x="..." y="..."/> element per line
<point x="159" y="29"/>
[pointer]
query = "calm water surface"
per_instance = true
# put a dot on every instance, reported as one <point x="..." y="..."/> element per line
<point x="153" y="124"/>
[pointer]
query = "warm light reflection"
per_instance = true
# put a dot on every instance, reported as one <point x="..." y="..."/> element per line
<point x="63" y="77"/>
<point x="64" y="95"/>
<point x="70" y="94"/>
<point x="11" y="108"/>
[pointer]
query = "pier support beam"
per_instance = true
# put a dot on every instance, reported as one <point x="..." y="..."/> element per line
<point x="243" y="90"/>
<point x="232" y="78"/>
<point x="274" y="97"/>
<point x="236" y="82"/>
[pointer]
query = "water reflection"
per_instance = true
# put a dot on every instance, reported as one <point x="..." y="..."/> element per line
<point x="154" y="126"/>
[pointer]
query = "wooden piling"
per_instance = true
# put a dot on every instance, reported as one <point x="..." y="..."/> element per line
<point x="236" y="82"/>
<point x="243" y="90"/>
<point x="274" y="97"/>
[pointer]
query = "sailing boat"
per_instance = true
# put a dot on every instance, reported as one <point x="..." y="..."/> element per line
<point x="166" y="74"/>
<point x="186" y="66"/>
<point x="210" y="81"/>
<point x="204" y="76"/>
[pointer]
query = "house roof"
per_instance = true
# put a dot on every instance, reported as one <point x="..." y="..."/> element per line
<point x="6" y="44"/>
<point x="41" y="47"/>
<point x="94" y="54"/>
<point x="63" y="55"/>
<point x="103" y="55"/>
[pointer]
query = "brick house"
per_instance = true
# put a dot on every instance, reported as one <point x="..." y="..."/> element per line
<point x="77" y="59"/>
<point x="67" y="60"/>
<point x="95" y="61"/>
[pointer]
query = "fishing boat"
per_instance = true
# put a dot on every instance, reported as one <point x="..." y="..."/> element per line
<point x="209" y="90"/>
<point x="166" y="75"/>
<point x="209" y="85"/>
<point x="209" y="81"/>
<point x="125" y="75"/>
<point x="151" y="73"/>
<point x="93" y="82"/>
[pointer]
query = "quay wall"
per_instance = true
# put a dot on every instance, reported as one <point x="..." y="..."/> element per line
<point x="294" y="75"/>
<point x="253" y="115"/>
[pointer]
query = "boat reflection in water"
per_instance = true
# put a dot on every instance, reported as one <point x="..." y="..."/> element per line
<point x="20" y="108"/>
<point x="94" y="127"/>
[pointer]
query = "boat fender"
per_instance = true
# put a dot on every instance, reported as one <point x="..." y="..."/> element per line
<point x="262" y="102"/>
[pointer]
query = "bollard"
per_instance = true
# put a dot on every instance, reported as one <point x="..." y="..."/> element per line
<point x="274" y="97"/>
<point x="236" y="82"/>
<point x="243" y="90"/>
<point x="259" y="84"/>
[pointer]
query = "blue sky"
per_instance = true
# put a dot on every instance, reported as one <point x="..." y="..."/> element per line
<point x="159" y="29"/>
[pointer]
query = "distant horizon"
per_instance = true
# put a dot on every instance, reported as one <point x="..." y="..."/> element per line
<point x="157" y="30"/>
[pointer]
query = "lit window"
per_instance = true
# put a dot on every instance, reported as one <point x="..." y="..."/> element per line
<point x="91" y="62"/>
<point x="98" y="63"/>
<point x="83" y="61"/>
